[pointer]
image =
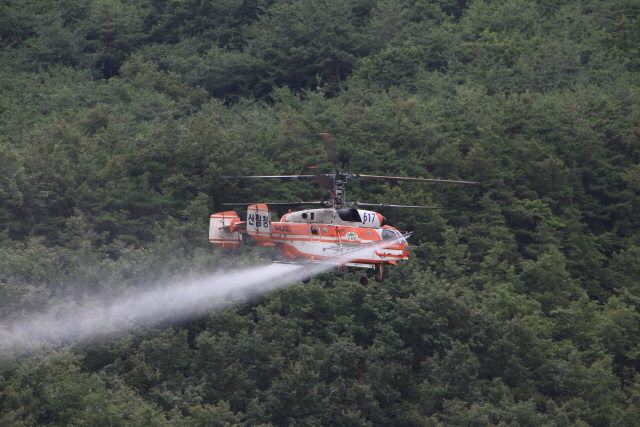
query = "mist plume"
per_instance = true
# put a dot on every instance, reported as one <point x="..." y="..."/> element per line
<point x="179" y="300"/>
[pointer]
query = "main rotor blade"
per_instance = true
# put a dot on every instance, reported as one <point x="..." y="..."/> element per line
<point x="275" y="204"/>
<point x="331" y="150"/>
<point x="323" y="181"/>
<point x="391" y="178"/>
<point x="269" y="176"/>
<point x="385" y="205"/>
<point x="401" y="178"/>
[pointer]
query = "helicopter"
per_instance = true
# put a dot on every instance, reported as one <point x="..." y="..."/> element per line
<point x="336" y="233"/>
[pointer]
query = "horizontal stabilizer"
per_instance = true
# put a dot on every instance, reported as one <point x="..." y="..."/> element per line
<point x="237" y="225"/>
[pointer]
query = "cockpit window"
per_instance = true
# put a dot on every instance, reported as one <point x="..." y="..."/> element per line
<point x="314" y="230"/>
<point x="400" y="238"/>
<point x="393" y="235"/>
<point x="388" y="235"/>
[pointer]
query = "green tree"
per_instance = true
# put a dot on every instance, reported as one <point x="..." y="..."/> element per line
<point x="302" y="42"/>
<point x="112" y="32"/>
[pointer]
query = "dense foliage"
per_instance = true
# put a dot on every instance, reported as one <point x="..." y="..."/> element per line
<point x="521" y="302"/>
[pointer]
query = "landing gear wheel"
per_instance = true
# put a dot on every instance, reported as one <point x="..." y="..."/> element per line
<point x="342" y="270"/>
<point x="306" y="278"/>
<point x="364" y="280"/>
<point x="379" y="277"/>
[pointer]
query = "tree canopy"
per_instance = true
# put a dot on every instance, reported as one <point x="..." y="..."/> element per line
<point x="520" y="304"/>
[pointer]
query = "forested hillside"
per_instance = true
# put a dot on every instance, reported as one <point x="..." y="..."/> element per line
<point x="520" y="304"/>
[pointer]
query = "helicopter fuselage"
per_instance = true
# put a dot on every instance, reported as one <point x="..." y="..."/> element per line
<point x="316" y="235"/>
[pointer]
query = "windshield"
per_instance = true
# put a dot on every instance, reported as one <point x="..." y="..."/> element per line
<point x="393" y="235"/>
<point x="400" y="238"/>
<point x="388" y="235"/>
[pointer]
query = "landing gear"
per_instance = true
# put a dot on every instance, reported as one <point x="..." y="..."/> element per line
<point x="306" y="278"/>
<point x="342" y="270"/>
<point x="364" y="280"/>
<point x="378" y="275"/>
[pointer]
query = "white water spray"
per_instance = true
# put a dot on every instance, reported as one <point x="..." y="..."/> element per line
<point x="177" y="301"/>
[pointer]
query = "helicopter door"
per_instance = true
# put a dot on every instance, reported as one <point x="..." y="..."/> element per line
<point x="314" y="232"/>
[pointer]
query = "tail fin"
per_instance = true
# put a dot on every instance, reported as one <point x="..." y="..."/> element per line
<point x="259" y="222"/>
<point x="220" y="233"/>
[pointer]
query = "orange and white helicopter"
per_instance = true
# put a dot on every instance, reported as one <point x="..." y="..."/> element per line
<point x="337" y="233"/>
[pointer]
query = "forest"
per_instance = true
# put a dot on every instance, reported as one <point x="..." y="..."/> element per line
<point x="519" y="305"/>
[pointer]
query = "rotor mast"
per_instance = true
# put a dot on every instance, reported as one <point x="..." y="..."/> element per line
<point x="339" y="190"/>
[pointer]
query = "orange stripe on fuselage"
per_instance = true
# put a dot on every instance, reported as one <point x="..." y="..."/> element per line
<point x="281" y="229"/>
<point x="390" y="255"/>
